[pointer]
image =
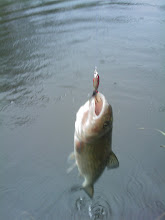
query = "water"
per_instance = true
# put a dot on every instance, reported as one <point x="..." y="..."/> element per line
<point x="49" y="50"/>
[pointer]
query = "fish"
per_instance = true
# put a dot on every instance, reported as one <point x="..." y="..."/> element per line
<point x="93" y="140"/>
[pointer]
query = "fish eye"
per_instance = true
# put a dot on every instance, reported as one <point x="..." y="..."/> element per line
<point x="106" y="124"/>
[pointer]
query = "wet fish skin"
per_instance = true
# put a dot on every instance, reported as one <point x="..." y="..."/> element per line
<point x="92" y="141"/>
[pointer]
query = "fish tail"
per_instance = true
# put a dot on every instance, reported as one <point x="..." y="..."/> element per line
<point x="89" y="189"/>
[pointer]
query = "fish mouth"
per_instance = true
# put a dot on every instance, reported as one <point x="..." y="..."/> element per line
<point x="98" y="104"/>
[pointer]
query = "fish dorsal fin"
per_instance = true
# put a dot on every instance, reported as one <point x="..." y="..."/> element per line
<point x="113" y="161"/>
<point x="89" y="190"/>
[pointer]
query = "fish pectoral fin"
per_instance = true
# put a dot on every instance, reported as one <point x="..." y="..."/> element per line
<point x="71" y="156"/>
<point x="113" y="161"/>
<point x="71" y="167"/>
<point x="89" y="189"/>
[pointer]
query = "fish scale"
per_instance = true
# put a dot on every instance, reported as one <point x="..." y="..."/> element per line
<point x="93" y="139"/>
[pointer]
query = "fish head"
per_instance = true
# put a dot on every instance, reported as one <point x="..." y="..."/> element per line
<point x="94" y="119"/>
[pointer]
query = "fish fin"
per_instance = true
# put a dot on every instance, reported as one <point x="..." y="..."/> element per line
<point x="113" y="161"/>
<point x="162" y="145"/>
<point x="89" y="189"/>
<point x="71" y="167"/>
<point x="71" y="156"/>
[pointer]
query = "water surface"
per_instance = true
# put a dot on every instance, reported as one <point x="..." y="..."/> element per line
<point x="49" y="50"/>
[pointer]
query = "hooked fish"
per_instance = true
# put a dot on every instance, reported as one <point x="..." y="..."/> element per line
<point x="93" y="139"/>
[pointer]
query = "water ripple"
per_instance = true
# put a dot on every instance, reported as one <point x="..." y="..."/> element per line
<point x="11" y="12"/>
<point x="100" y="209"/>
<point x="24" y="215"/>
<point x="142" y="192"/>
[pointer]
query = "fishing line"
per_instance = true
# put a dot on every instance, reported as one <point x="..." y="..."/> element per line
<point x="96" y="39"/>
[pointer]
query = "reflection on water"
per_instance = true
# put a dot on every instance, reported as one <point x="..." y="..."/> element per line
<point x="49" y="49"/>
<point x="37" y="38"/>
<point x="23" y="67"/>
